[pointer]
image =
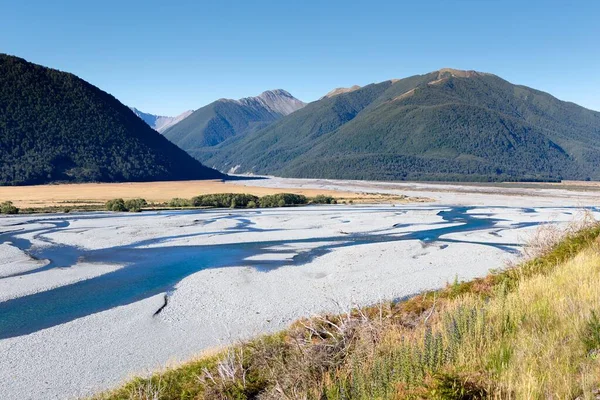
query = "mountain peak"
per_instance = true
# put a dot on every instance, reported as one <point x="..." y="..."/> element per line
<point x="275" y="92"/>
<point x="341" y="90"/>
<point x="160" y="123"/>
<point x="212" y="124"/>
<point x="460" y="73"/>
<point x="278" y="101"/>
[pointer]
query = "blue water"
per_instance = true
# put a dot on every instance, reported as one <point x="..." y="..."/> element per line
<point x="149" y="271"/>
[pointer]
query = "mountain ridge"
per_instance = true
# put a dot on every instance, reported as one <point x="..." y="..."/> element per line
<point x="56" y="127"/>
<point x="227" y="118"/>
<point x="448" y="124"/>
<point x="160" y="123"/>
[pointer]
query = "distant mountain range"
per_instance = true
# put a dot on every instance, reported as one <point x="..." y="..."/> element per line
<point x="160" y="123"/>
<point x="231" y="119"/>
<point x="55" y="127"/>
<point x="444" y="125"/>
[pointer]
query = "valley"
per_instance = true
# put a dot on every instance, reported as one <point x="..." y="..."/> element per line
<point x="109" y="296"/>
<point x="299" y="200"/>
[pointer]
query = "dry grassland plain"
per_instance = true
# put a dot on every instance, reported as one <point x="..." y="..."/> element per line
<point x="95" y="194"/>
<point x="153" y="192"/>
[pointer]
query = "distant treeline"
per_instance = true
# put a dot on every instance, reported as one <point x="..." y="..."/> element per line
<point x="225" y="200"/>
<point x="242" y="200"/>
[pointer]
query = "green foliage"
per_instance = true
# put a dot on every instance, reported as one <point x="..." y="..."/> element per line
<point x="591" y="333"/>
<point x="222" y="200"/>
<point x="243" y="200"/>
<point x="322" y="199"/>
<point x="57" y="127"/>
<point x="116" y="205"/>
<point x="179" y="202"/>
<point x="479" y="128"/>
<point x="453" y="387"/>
<point x="120" y="205"/>
<point x="135" y="205"/>
<point x="8" y="208"/>
<point x="282" y="200"/>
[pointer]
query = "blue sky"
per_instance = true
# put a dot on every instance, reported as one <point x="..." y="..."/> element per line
<point x="165" y="57"/>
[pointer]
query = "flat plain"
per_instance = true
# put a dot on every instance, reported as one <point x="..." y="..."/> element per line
<point x="156" y="192"/>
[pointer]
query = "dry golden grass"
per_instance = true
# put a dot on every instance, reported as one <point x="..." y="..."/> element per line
<point x="527" y="343"/>
<point x="156" y="192"/>
<point x="531" y="332"/>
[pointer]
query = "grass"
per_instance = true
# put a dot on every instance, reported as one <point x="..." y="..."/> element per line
<point x="64" y="195"/>
<point x="531" y="331"/>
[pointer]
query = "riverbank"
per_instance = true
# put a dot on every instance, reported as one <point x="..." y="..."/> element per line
<point x="228" y="274"/>
<point x="531" y="331"/>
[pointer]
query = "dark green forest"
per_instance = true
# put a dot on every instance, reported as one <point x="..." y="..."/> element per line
<point x="55" y="127"/>
<point x="439" y="126"/>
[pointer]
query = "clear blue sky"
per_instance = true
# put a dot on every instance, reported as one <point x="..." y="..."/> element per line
<point x="165" y="57"/>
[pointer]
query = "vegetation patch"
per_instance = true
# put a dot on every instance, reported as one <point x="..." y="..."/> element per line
<point x="131" y="205"/>
<point x="7" y="207"/>
<point x="243" y="200"/>
<point x="223" y="200"/>
<point x="282" y="200"/>
<point x="530" y="331"/>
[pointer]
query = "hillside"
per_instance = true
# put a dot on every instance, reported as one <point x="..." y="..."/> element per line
<point x="55" y="127"/>
<point x="160" y="123"/>
<point x="225" y="118"/>
<point x="445" y="125"/>
<point x="527" y="332"/>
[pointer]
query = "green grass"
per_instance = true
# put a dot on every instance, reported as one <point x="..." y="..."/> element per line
<point x="527" y="332"/>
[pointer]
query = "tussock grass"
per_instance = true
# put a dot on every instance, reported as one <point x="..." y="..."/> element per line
<point x="527" y="332"/>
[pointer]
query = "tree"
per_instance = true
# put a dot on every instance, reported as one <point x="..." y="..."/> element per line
<point x="8" y="208"/>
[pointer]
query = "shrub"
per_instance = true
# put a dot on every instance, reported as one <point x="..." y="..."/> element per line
<point x="178" y="202"/>
<point x="322" y="199"/>
<point x="8" y="208"/>
<point x="131" y="205"/>
<point x="453" y="387"/>
<point x="591" y="333"/>
<point x="282" y="200"/>
<point x="233" y="200"/>
<point x="116" y="205"/>
<point x="135" y="205"/>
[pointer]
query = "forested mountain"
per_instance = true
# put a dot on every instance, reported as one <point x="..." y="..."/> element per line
<point x="225" y="118"/>
<point x="56" y="127"/>
<point x="160" y="123"/>
<point x="445" y="125"/>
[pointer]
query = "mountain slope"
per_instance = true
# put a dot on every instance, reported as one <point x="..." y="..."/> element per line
<point x="224" y="118"/>
<point x="158" y="122"/>
<point x="56" y="127"/>
<point x="445" y="125"/>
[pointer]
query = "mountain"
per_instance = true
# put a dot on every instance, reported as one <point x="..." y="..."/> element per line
<point x="341" y="90"/>
<point x="444" y="125"/>
<point x="225" y="118"/>
<point x="56" y="127"/>
<point x="158" y="122"/>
